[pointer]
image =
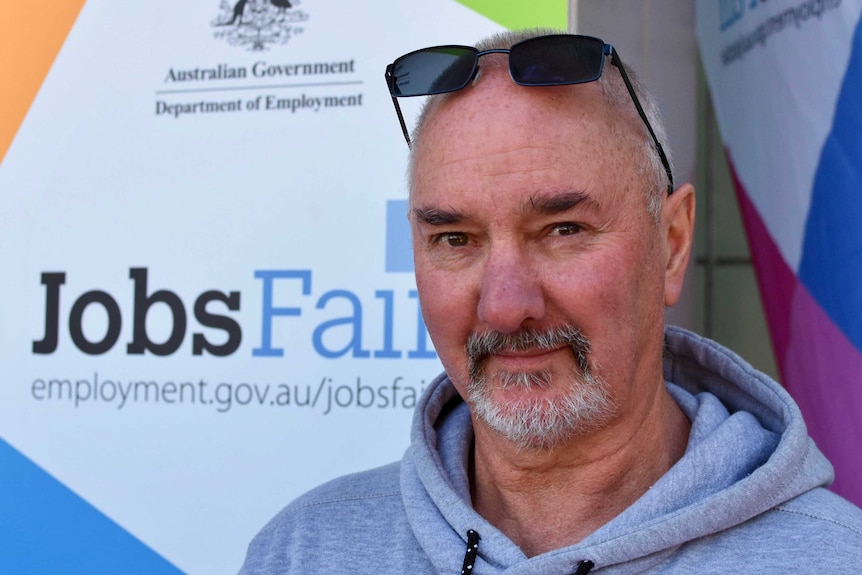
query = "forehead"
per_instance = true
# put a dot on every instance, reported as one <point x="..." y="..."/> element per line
<point x="496" y="133"/>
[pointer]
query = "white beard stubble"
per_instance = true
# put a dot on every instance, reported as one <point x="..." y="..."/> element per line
<point x="542" y="422"/>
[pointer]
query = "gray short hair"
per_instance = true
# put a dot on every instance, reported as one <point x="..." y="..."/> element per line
<point x="627" y="126"/>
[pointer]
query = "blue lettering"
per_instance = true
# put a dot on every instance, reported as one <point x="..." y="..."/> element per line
<point x="388" y="297"/>
<point x="268" y="277"/>
<point x="421" y="351"/>
<point x="355" y="321"/>
<point x="730" y="12"/>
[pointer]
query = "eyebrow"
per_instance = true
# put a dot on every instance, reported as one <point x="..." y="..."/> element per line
<point x="558" y="203"/>
<point x="437" y="216"/>
<point x="543" y="204"/>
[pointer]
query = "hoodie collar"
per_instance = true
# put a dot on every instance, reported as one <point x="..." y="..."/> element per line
<point x="748" y="452"/>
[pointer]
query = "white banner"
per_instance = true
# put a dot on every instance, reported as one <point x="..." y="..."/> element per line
<point x="207" y="299"/>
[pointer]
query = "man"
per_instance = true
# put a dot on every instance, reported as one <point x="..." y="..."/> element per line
<point x="570" y="431"/>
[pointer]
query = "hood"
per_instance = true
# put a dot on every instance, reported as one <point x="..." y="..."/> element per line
<point x="748" y="452"/>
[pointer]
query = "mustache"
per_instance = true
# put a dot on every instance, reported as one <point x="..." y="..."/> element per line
<point x="481" y="346"/>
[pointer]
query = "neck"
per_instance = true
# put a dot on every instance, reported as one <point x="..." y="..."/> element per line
<point x="549" y="499"/>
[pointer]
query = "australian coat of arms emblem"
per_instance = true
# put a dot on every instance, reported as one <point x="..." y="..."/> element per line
<point x="259" y="23"/>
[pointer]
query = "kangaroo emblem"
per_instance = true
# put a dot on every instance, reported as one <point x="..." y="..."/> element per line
<point x="238" y="10"/>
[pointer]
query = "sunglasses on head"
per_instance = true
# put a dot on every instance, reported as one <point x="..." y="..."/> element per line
<point x="555" y="60"/>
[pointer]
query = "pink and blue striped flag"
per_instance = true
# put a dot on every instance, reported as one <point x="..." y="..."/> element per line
<point x="786" y="82"/>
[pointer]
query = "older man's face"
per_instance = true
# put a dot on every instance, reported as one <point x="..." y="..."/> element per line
<point x="530" y="232"/>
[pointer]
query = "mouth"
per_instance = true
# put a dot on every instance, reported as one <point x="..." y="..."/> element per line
<point x="531" y="359"/>
<point x="528" y="350"/>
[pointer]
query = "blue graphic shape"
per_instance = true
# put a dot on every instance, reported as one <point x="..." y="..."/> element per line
<point x="46" y="529"/>
<point x="831" y="266"/>
<point x="399" y="252"/>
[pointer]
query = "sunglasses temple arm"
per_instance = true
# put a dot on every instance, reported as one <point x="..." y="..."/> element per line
<point x="390" y="82"/>
<point x="401" y="120"/>
<point x="615" y="60"/>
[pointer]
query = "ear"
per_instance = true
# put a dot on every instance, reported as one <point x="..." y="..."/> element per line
<point x="678" y="225"/>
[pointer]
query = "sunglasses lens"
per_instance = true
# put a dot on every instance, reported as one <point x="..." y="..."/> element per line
<point x="556" y="60"/>
<point x="433" y="71"/>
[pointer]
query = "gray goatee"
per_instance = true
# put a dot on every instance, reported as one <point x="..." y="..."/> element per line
<point x="538" y="423"/>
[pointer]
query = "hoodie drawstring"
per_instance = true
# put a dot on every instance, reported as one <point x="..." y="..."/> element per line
<point x="473" y="538"/>
<point x="472" y="552"/>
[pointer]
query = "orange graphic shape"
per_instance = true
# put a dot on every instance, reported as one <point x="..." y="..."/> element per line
<point x="31" y="35"/>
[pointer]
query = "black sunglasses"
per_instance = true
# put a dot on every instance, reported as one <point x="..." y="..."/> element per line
<point x="555" y="60"/>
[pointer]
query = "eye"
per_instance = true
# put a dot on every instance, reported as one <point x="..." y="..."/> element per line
<point x="454" y="239"/>
<point x="566" y="229"/>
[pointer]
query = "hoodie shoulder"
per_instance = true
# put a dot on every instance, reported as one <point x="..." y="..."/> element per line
<point x="351" y="512"/>
<point x="827" y="516"/>
<point x="381" y="482"/>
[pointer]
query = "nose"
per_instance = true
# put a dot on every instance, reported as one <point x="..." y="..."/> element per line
<point x="511" y="291"/>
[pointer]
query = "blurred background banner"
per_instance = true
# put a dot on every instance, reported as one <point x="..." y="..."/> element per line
<point x="786" y="81"/>
<point x="207" y="299"/>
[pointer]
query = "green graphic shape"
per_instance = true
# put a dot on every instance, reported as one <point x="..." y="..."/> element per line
<point x="512" y="15"/>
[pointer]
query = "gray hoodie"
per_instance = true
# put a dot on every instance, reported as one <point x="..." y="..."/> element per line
<point x="747" y="495"/>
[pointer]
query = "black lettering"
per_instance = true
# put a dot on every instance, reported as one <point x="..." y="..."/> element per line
<point x="283" y="397"/>
<point x="383" y="394"/>
<point x="169" y="389"/>
<point x="147" y="385"/>
<point x="349" y="396"/>
<point x="246" y="388"/>
<point x="296" y="400"/>
<point x="59" y="385"/>
<point x="76" y="329"/>
<point x="37" y="389"/>
<point x="52" y="283"/>
<point x="140" y="340"/>
<point x="223" y="322"/>
<point x="409" y="399"/>
<point x="190" y="386"/>
<point x="360" y="389"/>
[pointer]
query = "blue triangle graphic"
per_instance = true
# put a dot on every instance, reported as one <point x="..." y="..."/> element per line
<point x="45" y="528"/>
<point x="831" y="266"/>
